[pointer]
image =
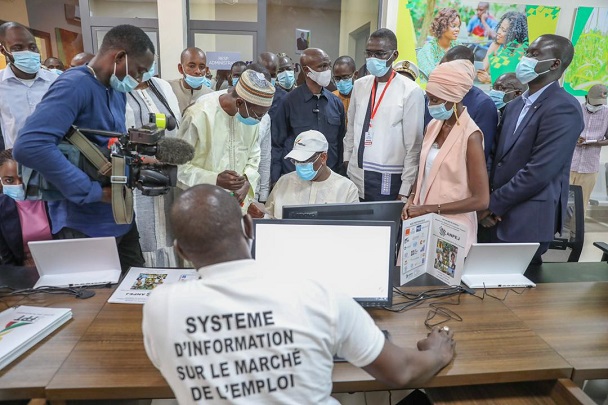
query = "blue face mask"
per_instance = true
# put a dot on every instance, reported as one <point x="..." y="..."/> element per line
<point x="235" y="80"/>
<point x="498" y="97"/>
<point x="345" y="86"/>
<point x="439" y="112"/>
<point x="16" y="192"/>
<point x="306" y="171"/>
<point x="27" y="61"/>
<point x="56" y="71"/>
<point x="127" y="84"/>
<point x="286" y="79"/>
<point x="273" y="81"/>
<point x="525" y="70"/>
<point x="247" y="121"/>
<point x="195" y="81"/>
<point x="377" y="67"/>
<point x="148" y="75"/>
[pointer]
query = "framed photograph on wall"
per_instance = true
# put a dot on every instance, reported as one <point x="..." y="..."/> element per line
<point x="302" y="40"/>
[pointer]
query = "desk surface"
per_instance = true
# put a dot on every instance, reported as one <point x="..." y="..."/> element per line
<point x="110" y="361"/>
<point x="28" y="376"/>
<point x="573" y="319"/>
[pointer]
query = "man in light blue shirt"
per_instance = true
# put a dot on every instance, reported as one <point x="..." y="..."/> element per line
<point x="23" y="82"/>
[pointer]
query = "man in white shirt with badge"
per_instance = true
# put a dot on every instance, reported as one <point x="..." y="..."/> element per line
<point x="243" y="334"/>
<point x="385" y="125"/>
<point x="313" y="182"/>
<point x="22" y="82"/>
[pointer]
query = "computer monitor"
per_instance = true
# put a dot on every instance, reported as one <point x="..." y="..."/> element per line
<point x="370" y="211"/>
<point x="363" y="211"/>
<point x="355" y="257"/>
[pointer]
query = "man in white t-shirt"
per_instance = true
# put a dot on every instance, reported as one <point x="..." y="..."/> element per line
<point x="241" y="335"/>
<point x="313" y="182"/>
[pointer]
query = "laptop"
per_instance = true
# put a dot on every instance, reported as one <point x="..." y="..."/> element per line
<point x="498" y="265"/>
<point x="76" y="262"/>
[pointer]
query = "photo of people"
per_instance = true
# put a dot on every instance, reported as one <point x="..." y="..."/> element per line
<point x="148" y="281"/>
<point x="302" y="40"/>
<point x="445" y="259"/>
<point x="497" y="33"/>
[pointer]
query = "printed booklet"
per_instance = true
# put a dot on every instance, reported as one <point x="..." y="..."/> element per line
<point x="432" y="244"/>
<point x="23" y="326"/>
<point x="140" y="281"/>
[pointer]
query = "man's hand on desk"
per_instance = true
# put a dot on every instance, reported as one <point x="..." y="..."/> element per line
<point x="440" y="341"/>
<point x="404" y="367"/>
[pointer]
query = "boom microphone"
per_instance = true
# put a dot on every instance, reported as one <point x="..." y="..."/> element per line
<point x="174" y="151"/>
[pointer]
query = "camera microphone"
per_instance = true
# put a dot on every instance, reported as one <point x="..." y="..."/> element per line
<point x="174" y="151"/>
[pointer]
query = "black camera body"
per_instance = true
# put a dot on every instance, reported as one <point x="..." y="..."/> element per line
<point x="145" y="170"/>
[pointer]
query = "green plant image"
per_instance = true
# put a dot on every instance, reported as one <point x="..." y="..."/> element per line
<point x="589" y="66"/>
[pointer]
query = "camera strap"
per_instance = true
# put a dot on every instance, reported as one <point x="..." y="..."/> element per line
<point x="122" y="196"/>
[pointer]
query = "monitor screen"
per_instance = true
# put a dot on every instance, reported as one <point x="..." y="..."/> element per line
<point x="371" y="211"/>
<point x="355" y="257"/>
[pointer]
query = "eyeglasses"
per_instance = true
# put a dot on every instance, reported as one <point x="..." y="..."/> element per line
<point x="345" y="77"/>
<point x="312" y="159"/>
<point x="379" y="54"/>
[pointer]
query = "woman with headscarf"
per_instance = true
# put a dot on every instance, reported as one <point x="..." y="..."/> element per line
<point x="452" y="178"/>
<point x="445" y="29"/>
<point x="507" y="49"/>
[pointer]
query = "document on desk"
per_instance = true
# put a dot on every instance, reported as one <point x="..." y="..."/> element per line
<point x="23" y="326"/>
<point x="140" y="281"/>
<point x="432" y="244"/>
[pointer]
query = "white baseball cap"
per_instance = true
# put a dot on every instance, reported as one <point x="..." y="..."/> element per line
<point x="307" y="144"/>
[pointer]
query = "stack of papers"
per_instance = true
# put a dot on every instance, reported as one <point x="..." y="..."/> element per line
<point x="140" y="281"/>
<point x="23" y="326"/>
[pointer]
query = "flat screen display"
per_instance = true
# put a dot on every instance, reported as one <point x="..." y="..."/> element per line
<point x="355" y="257"/>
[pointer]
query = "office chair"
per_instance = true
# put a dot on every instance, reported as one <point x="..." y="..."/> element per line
<point x="573" y="234"/>
<point x="603" y="246"/>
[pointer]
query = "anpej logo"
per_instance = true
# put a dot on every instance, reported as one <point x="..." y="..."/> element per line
<point x="442" y="231"/>
<point x="16" y="323"/>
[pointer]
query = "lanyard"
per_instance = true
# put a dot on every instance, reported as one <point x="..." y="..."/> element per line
<point x="375" y="109"/>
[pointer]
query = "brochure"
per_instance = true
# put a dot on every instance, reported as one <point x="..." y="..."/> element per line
<point x="140" y="281"/>
<point x="23" y="326"/>
<point x="432" y="244"/>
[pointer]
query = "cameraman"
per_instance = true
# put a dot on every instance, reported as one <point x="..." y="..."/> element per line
<point x="90" y="96"/>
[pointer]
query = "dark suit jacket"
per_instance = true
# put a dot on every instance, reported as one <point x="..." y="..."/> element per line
<point x="302" y="44"/>
<point x="530" y="170"/>
<point x="11" y="242"/>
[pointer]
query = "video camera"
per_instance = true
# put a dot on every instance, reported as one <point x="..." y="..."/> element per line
<point x="150" y="159"/>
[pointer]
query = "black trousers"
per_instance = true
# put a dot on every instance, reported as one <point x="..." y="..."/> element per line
<point x="129" y="249"/>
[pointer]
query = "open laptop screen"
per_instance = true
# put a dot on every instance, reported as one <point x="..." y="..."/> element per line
<point x="355" y="257"/>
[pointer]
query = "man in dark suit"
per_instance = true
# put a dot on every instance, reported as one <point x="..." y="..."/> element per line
<point x="302" y="42"/>
<point x="531" y="162"/>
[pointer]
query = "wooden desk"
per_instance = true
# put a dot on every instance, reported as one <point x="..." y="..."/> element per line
<point x="494" y="345"/>
<point x="28" y="376"/>
<point x="573" y="319"/>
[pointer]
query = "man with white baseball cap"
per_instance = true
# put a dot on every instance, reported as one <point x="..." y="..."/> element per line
<point x="313" y="182"/>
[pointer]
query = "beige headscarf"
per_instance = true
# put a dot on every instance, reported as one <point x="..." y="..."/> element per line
<point x="451" y="81"/>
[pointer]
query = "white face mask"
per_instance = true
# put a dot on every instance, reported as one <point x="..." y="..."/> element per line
<point x="593" y="108"/>
<point x="321" y="78"/>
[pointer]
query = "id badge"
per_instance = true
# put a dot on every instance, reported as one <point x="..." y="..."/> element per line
<point x="369" y="136"/>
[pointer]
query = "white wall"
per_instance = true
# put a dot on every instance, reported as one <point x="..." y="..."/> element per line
<point x="324" y="24"/>
<point x="124" y="9"/>
<point x="355" y="14"/>
<point x="46" y="15"/>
